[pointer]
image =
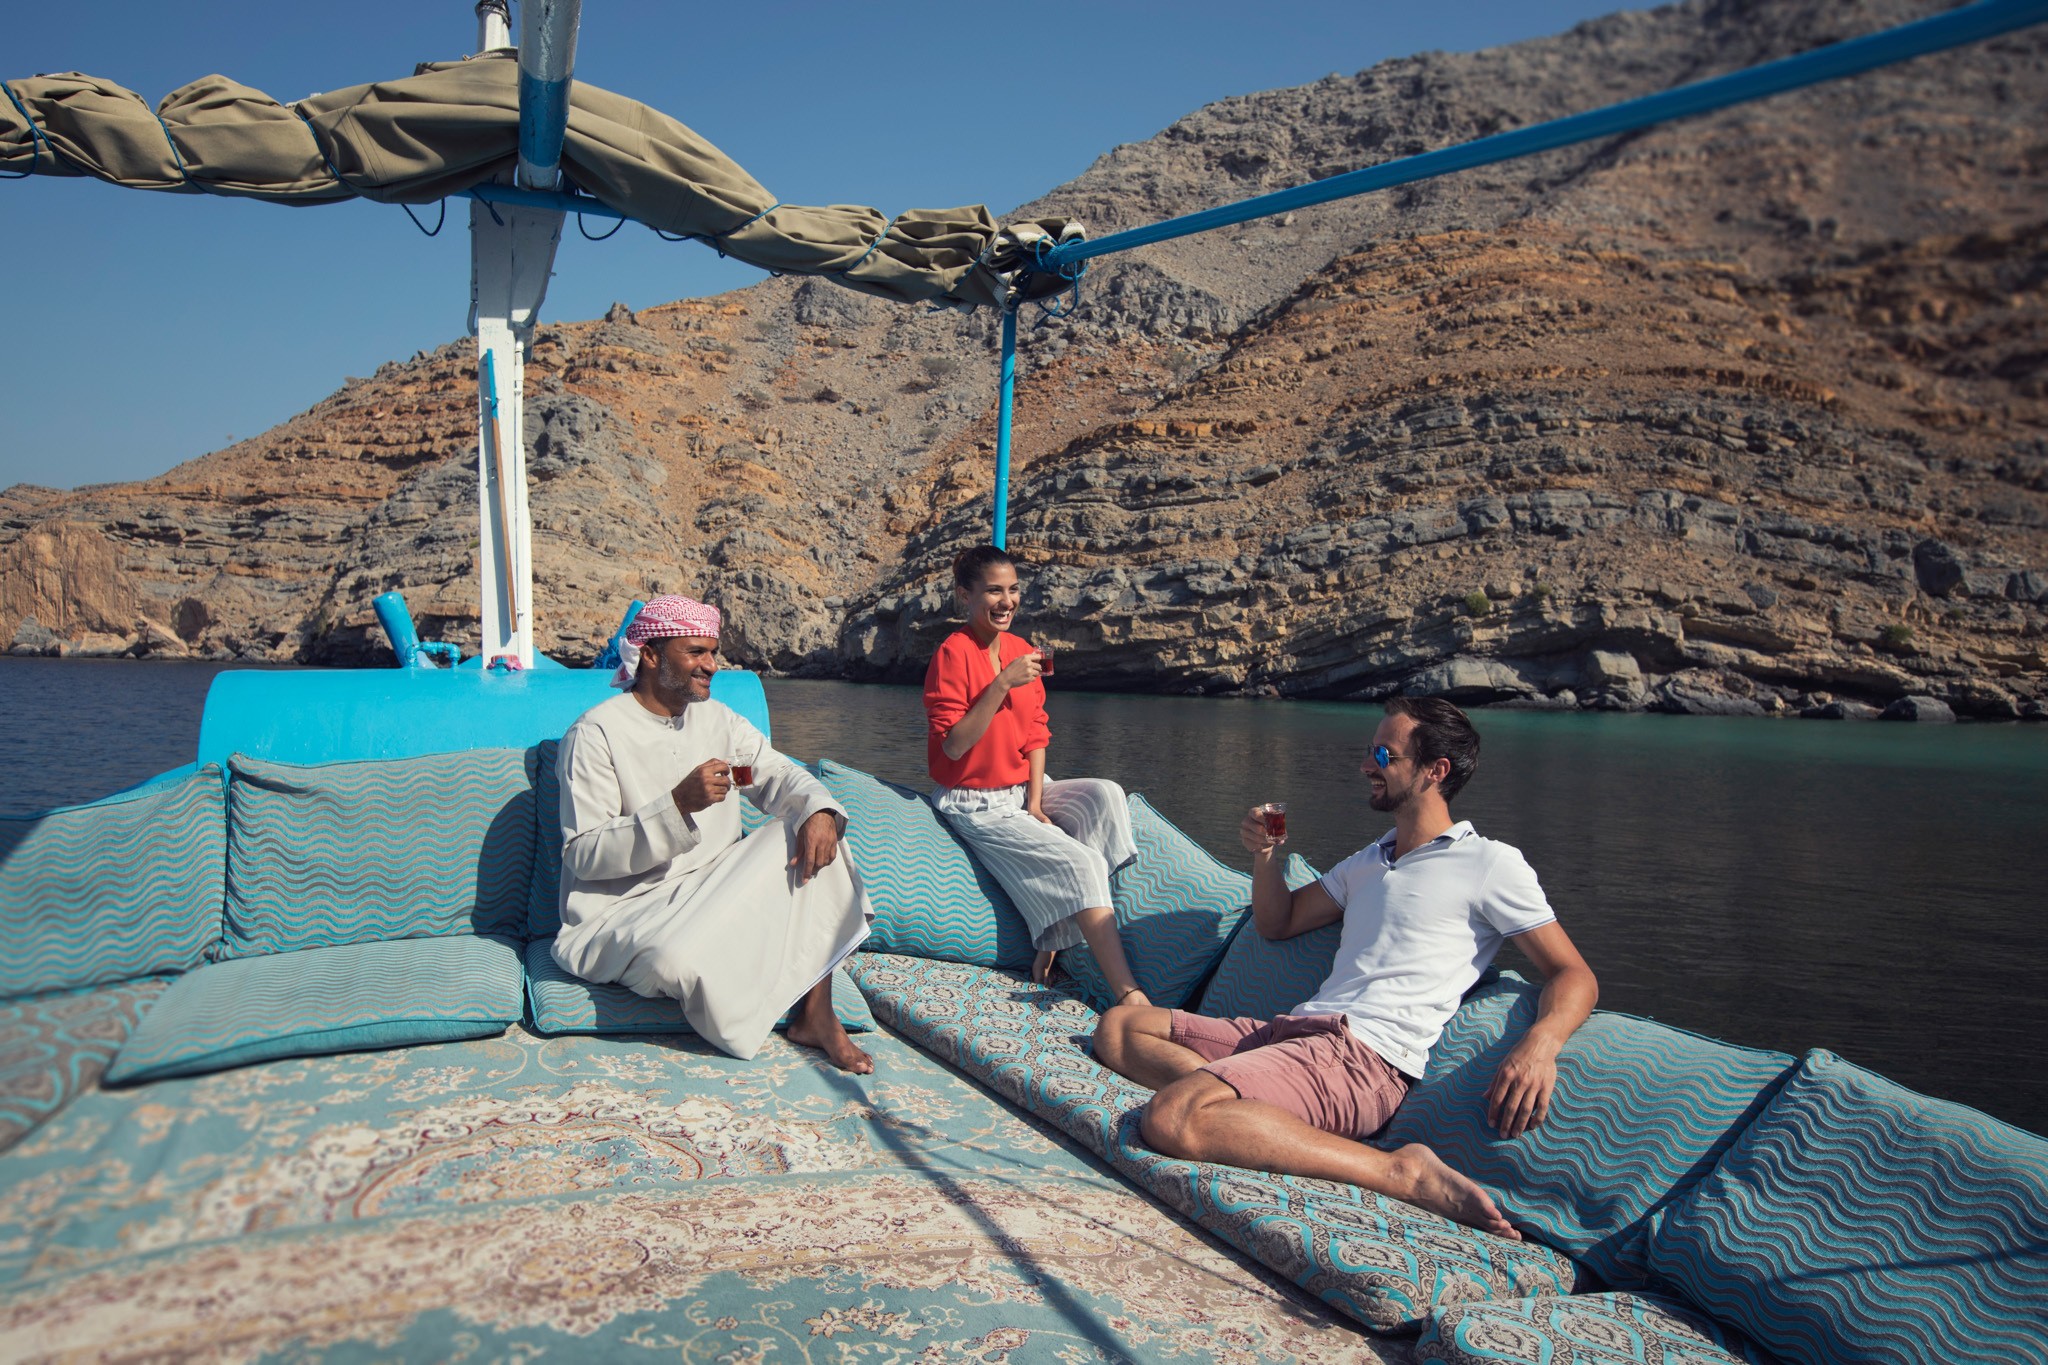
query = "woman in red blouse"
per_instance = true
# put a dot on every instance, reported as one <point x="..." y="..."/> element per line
<point x="1052" y="845"/>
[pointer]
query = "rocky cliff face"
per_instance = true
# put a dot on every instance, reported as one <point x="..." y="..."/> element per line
<point x="1746" y="414"/>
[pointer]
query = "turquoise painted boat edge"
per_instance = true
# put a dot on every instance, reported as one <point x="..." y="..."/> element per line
<point x="325" y="715"/>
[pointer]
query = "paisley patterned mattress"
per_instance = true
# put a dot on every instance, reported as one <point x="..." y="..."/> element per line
<point x="593" y="1198"/>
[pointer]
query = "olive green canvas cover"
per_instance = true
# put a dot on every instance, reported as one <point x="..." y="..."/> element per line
<point x="454" y="125"/>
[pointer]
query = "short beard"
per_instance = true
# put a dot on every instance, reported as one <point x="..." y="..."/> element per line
<point x="1384" y="800"/>
<point x="671" y="682"/>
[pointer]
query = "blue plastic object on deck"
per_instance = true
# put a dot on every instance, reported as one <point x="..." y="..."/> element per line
<point x="412" y="652"/>
<point x="1005" y="406"/>
<point x="332" y="715"/>
<point x="398" y="627"/>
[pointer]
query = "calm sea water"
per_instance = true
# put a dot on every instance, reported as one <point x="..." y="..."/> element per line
<point x="1873" y="889"/>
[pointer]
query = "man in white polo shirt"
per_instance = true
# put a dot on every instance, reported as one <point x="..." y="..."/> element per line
<point x="1424" y="908"/>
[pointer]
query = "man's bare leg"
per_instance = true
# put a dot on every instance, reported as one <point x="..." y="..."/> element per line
<point x="1136" y="1041"/>
<point x="1200" y="1117"/>
<point x="817" y="1025"/>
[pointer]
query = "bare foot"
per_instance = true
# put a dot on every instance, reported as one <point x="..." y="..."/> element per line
<point x="1135" y="996"/>
<point x="1428" y="1183"/>
<point x="1041" y="966"/>
<point x="832" y="1040"/>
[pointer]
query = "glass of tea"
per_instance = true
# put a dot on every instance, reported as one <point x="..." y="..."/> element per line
<point x="1045" y="661"/>
<point x="742" y="773"/>
<point x="1274" y="813"/>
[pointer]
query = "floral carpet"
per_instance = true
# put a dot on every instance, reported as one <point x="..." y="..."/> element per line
<point x="617" y="1199"/>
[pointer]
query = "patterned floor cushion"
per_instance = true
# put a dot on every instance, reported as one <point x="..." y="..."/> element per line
<point x="1641" y="1113"/>
<point x="331" y="853"/>
<point x="931" y="899"/>
<point x="1259" y="978"/>
<point x="126" y="887"/>
<point x="610" y="1199"/>
<point x="321" y="1000"/>
<point x="561" y="1003"/>
<point x="1856" y="1220"/>
<point x="55" y="1047"/>
<point x="1176" y="909"/>
<point x="1581" y="1329"/>
<point x="1385" y="1263"/>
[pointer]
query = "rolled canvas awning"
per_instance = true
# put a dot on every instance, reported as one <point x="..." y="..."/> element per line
<point x="455" y="125"/>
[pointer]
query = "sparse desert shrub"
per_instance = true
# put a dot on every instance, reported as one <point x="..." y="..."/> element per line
<point x="1477" y="603"/>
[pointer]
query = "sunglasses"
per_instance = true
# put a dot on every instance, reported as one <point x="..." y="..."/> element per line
<point x="1383" y="757"/>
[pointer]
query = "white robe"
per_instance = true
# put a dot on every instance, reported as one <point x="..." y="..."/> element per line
<point x="677" y="905"/>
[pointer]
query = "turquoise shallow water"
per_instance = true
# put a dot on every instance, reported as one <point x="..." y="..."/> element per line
<point x="1874" y="889"/>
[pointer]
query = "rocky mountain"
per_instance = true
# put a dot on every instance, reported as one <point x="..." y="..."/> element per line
<point x="1748" y="413"/>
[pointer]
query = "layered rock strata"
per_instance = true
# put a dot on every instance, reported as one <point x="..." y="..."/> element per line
<point x="1746" y="414"/>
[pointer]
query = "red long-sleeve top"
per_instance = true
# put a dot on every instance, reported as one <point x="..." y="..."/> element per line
<point x="959" y="673"/>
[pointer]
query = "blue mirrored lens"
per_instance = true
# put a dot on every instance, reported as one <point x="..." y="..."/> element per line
<point x="1381" y="755"/>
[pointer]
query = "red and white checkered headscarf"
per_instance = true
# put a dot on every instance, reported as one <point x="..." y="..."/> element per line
<point x="666" y="616"/>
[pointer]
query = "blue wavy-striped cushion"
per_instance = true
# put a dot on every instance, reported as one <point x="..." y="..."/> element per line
<point x="1259" y="978"/>
<point x="931" y="898"/>
<point x="1580" y="1329"/>
<point x="54" y="1047"/>
<point x="335" y="853"/>
<point x="1176" y="909"/>
<point x="1858" y="1221"/>
<point x="1640" y="1114"/>
<point x="544" y="906"/>
<point x="544" y="900"/>
<point x="561" y="1003"/>
<point x="124" y="887"/>
<point x="320" y="1000"/>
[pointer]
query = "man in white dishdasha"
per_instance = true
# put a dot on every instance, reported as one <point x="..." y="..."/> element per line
<point x="660" y="892"/>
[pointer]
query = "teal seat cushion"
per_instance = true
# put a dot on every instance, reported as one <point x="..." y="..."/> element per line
<point x="335" y="853"/>
<point x="127" y="886"/>
<point x="544" y="899"/>
<point x="1580" y="1329"/>
<point x="1176" y="909"/>
<point x="1856" y="1220"/>
<point x="53" y="1048"/>
<point x="931" y="898"/>
<point x="1641" y="1113"/>
<point x="1259" y="978"/>
<point x="561" y="1003"/>
<point x="320" y="1000"/>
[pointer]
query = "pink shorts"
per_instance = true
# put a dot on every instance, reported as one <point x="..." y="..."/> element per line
<point x="1314" y="1067"/>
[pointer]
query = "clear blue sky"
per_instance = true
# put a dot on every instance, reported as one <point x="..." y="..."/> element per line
<point x="145" y="329"/>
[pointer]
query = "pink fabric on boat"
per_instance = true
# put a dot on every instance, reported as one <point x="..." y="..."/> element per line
<point x="666" y="616"/>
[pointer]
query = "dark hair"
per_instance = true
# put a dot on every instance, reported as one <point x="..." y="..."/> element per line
<point x="972" y="564"/>
<point x="1441" y="731"/>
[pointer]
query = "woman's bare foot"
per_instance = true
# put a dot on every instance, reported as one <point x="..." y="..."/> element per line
<point x="1041" y="966"/>
<point x="816" y="1025"/>
<point x="1426" y="1182"/>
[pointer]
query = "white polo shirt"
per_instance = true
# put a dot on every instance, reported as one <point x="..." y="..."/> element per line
<point x="1417" y="934"/>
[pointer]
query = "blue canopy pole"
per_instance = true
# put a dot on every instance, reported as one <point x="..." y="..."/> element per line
<point x="1957" y="27"/>
<point x="1003" y="409"/>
